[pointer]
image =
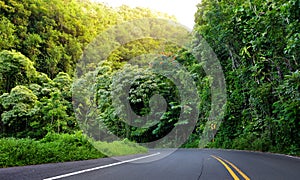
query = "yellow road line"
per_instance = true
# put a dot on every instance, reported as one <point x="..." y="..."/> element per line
<point x="227" y="167"/>
<point x="237" y="169"/>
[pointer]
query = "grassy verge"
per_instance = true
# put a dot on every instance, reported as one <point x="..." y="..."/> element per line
<point x="119" y="148"/>
<point x="60" y="148"/>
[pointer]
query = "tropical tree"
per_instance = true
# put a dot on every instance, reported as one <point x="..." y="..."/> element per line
<point x="15" y="69"/>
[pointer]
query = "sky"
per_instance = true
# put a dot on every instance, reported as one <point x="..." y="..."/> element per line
<point x="183" y="10"/>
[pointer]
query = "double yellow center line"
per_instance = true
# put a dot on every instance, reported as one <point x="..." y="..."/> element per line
<point x="231" y="172"/>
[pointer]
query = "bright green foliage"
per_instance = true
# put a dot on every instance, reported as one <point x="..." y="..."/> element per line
<point x="60" y="148"/>
<point x="286" y="113"/>
<point x="41" y="41"/>
<point x="15" y="69"/>
<point x="53" y="148"/>
<point x="17" y="107"/>
<point x="54" y="111"/>
<point x="8" y="37"/>
<point x="144" y="104"/>
<point x="40" y="45"/>
<point x="35" y="109"/>
<point x="257" y="43"/>
<point x="119" y="148"/>
<point x="53" y="34"/>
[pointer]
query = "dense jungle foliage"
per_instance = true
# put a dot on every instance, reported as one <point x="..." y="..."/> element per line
<point x="257" y="43"/>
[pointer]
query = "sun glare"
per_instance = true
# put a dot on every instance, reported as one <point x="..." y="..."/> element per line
<point x="183" y="10"/>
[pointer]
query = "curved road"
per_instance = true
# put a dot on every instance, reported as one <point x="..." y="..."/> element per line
<point x="183" y="164"/>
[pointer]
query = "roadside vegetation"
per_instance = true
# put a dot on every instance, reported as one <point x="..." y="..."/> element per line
<point x="40" y="44"/>
<point x="55" y="148"/>
<point x="257" y="43"/>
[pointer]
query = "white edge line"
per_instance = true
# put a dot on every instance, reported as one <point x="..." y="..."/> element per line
<point x="100" y="167"/>
<point x="258" y="152"/>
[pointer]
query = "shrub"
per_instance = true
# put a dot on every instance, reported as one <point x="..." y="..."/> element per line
<point x="60" y="148"/>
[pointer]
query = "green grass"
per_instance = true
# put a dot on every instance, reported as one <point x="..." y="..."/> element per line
<point x="119" y="148"/>
<point x="60" y="148"/>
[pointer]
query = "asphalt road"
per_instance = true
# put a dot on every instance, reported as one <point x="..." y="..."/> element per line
<point x="183" y="164"/>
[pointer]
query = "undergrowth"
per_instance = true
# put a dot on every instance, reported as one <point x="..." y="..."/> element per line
<point x="60" y="148"/>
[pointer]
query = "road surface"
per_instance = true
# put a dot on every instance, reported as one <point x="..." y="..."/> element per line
<point x="183" y="164"/>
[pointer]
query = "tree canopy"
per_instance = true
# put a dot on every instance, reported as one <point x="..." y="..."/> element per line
<point x="49" y="49"/>
<point x="257" y="43"/>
